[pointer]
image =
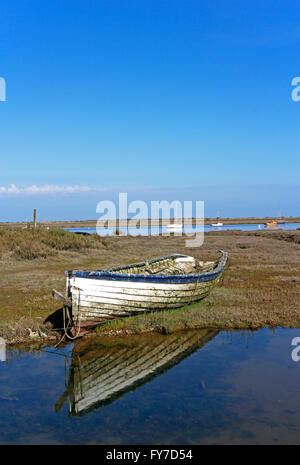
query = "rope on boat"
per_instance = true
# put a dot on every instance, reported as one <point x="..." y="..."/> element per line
<point x="78" y="324"/>
<point x="67" y="326"/>
<point x="65" y="330"/>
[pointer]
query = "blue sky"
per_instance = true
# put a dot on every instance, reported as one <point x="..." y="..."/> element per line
<point x="182" y="99"/>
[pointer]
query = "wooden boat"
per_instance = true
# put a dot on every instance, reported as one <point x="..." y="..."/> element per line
<point x="162" y="283"/>
<point x="100" y="373"/>
<point x="218" y="223"/>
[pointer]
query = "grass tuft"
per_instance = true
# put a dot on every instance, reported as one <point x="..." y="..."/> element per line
<point x="30" y="244"/>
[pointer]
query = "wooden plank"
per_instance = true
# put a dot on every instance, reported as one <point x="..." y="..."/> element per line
<point x="150" y="300"/>
<point x="126" y="305"/>
<point x="83" y="283"/>
<point x="58" y="296"/>
<point x="92" y="289"/>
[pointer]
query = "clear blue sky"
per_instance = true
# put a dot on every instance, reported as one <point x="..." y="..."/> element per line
<point x="134" y="95"/>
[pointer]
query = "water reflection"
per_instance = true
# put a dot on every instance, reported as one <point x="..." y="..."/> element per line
<point x="239" y="388"/>
<point x="102" y="371"/>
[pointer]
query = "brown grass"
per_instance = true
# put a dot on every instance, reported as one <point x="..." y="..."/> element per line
<point x="30" y="244"/>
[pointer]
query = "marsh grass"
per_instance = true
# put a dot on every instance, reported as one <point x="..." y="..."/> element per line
<point x="260" y="285"/>
<point x="30" y="244"/>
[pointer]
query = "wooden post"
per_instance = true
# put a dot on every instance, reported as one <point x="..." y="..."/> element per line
<point x="34" y="218"/>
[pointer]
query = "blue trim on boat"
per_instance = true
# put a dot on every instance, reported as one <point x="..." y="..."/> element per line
<point x="162" y="279"/>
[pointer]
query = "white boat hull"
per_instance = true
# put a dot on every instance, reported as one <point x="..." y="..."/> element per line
<point x="104" y="294"/>
<point x="110" y="299"/>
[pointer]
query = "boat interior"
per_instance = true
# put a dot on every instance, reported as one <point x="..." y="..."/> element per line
<point x="171" y="265"/>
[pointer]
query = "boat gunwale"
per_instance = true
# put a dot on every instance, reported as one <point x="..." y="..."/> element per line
<point x="113" y="275"/>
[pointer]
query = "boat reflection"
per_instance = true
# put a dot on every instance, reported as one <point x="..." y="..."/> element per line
<point x="102" y="370"/>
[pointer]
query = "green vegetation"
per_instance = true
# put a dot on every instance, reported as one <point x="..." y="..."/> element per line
<point x="260" y="287"/>
<point x="29" y="244"/>
<point x="209" y="313"/>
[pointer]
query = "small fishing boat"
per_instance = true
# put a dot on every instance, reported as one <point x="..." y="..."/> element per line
<point x="158" y="284"/>
<point x="217" y="224"/>
<point x="174" y="227"/>
<point x="271" y="224"/>
<point x="280" y="218"/>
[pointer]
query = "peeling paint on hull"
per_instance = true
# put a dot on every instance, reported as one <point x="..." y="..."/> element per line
<point x="123" y="291"/>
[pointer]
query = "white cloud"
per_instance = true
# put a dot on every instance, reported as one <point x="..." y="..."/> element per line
<point x="47" y="189"/>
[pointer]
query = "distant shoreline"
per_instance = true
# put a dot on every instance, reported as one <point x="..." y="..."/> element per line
<point x="145" y="222"/>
